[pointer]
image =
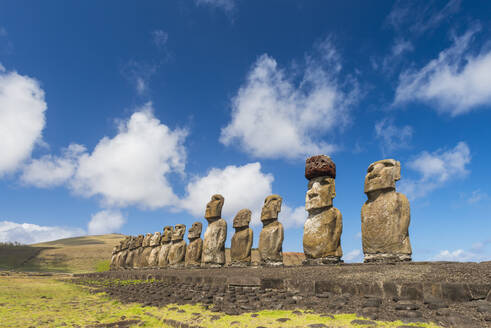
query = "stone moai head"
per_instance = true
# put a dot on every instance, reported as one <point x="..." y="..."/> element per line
<point x="146" y="240"/>
<point x="242" y="218"/>
<point x="178" y="233"/>
<point x="132" y="242"/>
<point x="167" y="235"/>
<point x="195" y="230"/>
<point x="115" y="249"/>
<point x="271" y="207"/>
<point x="382" y="175"/>
<point x="320" y="170"/>
<point x="214" y="207"/>
<point x="139" y="240"/>
<point x="155" y="241"/>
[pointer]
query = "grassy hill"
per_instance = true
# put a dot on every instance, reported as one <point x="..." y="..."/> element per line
<point x="81" y="254"/>
<point x="75" y="255"/>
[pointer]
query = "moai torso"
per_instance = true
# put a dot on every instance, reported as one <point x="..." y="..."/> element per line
<point x="240" y="249"/>
<point x="385" y="216"/>
<point x="165" y="246"/>
<point x="177" y="251"/>
<point x="215" y="234"/>
<point x="145" y="252"/>
<point x="121" y="260"/>
<point x="131" y="253"/>
<point x="137" y="262"/>
<point x="271" y="236"/>
<point x="195" y="246"/>
<point x="153" y="258"/>
<point x="321" y="234"/>
<point x="114" y="257"/>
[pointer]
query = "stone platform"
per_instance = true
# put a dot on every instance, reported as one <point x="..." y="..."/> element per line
<point x="451" y="294"/>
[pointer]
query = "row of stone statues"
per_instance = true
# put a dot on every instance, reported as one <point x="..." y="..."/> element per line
<point x="385" y="218"/>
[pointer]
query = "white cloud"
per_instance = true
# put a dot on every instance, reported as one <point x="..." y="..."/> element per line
<point x="456" y="82"/>
<point x="27" y="233"/>
<point x="106" y="222"/>
<point x="436" y="169"/>
<point x="292" y="217"/>
<point x="22" y="118"/>
<point x="458" y="255"/>
<point x="273" y="117"/>
<point x="353" y="256"/>
<point x="393" y="137"/>
<point x="241" y="186"/>
<point x="400" y="46"/>
<point x="160" y="38"/>
<point x="226" y="5"/>
<point x="477" y="196"/>
<point x="3" y="31"/>
<point x="131" y="168"/>
<point x="139" y="74"/>
<point x="50" y="171"/>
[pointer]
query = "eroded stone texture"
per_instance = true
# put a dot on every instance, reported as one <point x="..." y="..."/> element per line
<point x="195" y="246"/>
<point x="114" y="257"/>
<point x="240" y="250"/>
<point x="385" y="216"/>
<point x="215" y="234"/>
<point x="131" y="253"/>
<point x="272" y="234"/>
<point x="177" y="251"/>
<point x="138" y="251"/>
<point x="324" y="225"/>
<point x="165" y="246"/>
<point x="145" y="252"/>
<point x="121" y="260"/>
<point x="153" y="258"/>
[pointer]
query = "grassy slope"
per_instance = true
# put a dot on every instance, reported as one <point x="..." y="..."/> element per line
<point x="79" y="254"/>
<point x="27" y="301"/>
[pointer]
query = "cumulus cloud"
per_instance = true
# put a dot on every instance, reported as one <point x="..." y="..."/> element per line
<point x="275" y="117"/>
<point x="458" y="255"/>
<point x="436" y="169"/>
<point x="476" y="196"/>
<point x="27" y="233"/>
<point x="242" y="186"/>
<point x="131" y="168"/>
<point x="226" y="5"/>
<point x="353" y="256"/>
<point x="139" y="74"/>
<point x="456" y="82"/>
<point x="292" y="217"/>
<point x="160" y="38"/>
<point x="393" y="137"/>
<point x="106" y="221"/>
<point x="22" y="118"/>
<point x="50" y="171"/>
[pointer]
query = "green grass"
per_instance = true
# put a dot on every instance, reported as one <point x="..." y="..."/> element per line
<point x="102" y="266"/>
<point x="47" y="302"/>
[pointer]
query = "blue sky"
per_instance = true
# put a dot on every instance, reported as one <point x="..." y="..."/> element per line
<point x="123" y="116"/>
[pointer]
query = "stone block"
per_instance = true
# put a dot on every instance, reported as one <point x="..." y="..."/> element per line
<point x="456" y="292"/>
<point x="371" y="288"/>
<point x="390" y="289"/>
<point x="412" y="291"/>
<point x="479" y="291"/>
<point x="324" y="286"/>
<point x="272" y="283"/>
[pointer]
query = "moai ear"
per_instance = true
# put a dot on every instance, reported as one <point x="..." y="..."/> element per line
<point x="397" y="171"/>
<point x="333" y="188"/>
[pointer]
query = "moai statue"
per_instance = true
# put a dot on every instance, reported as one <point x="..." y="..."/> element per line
<point x="145" y="252"/>
<point x="324" y="225"/>
<point x="121" y="261"/>
<point x="271" y="237"/>
<point x="165" y="244"/>
<point x="385" y="215"/>
<point x="195" y="246"/>
<point x="215" y="234"/>
<point x="114" y="257"/>
<point x="137" y="251"/>
<point x="153" y="258"/>
<point x="177" y="251"/>
<point x="240" y="250"/>
<point x="131" y="253"/>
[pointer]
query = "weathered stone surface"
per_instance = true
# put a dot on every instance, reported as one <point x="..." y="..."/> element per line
<point x="165" y="244"/>
<point x="195" y="246"/>
<point x="385" y="216"/>
<point x="114" y="257"/>
<point x="215" y="234"/>
<point x="324" y="224"/>
<point x="145" y="252"/>
<point x="488" y="298"/>
<point x="456" y="292"/>
<point x="272" y="234"/>
<point x="153" y="258"/>
<point x="320" y="166"/>
<point x="240" y="250"/>
<point x="177" y="251"/>
<point x="121" y="261"/>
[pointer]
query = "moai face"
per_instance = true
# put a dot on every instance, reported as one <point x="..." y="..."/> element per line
<point x="167" y="236"/>
<point x="271" y="207"/>
<point x="382" y="175"/>
<point x="178" y="233"/>
<point x="214" y="207"/>
<point x="146" y="240"/>
<point x="132" y="242"/>
<point x="195" y="230"/>
<point x="155" y="241"/>
<point x="242" y="218"/>
<point x="139" y="240"/>
<point x="320" y="193"/>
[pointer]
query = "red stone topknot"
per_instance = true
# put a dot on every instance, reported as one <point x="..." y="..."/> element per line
<point x="320" y="166"/>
